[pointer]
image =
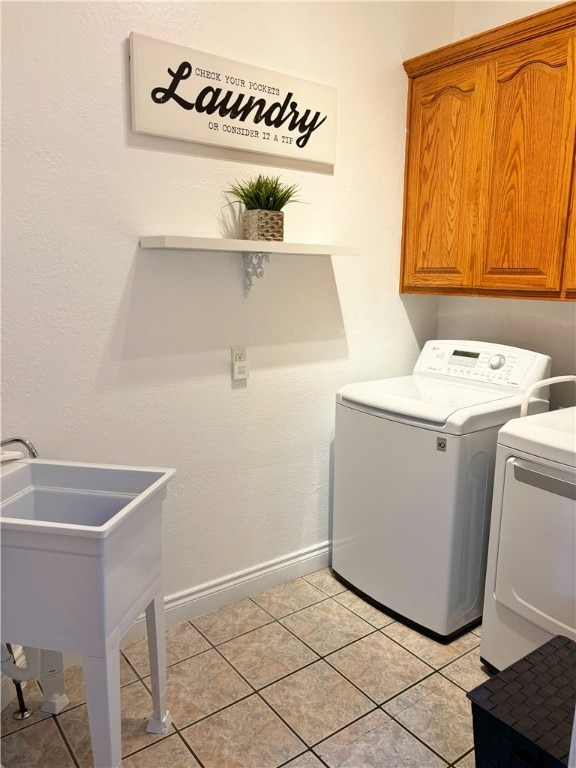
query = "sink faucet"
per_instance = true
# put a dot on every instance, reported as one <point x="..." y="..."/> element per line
<point x="26" y="443"/>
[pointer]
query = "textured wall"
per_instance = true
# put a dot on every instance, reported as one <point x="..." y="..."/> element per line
<point x="111" y="354"/>
<point x="470" y="18"/>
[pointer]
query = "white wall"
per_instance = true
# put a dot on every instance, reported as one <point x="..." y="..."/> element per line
<point x="545" y="326"/>
<point x="112" y="354"/>
<point x="471" y="18"/>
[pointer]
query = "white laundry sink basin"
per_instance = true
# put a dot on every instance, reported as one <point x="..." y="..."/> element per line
<point x="69" y="494"/>
<point x="79" y="544"/>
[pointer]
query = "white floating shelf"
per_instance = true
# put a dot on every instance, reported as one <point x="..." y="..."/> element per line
<point x="182" y="243"/>
<point x="254" y="251"/>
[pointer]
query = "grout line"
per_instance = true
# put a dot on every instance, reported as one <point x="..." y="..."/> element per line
<point x="302" y="754"/>
<point x="420" y="658"/>
<point x="391" y="719"/>
<point x="148" y="746"/>
<point x="405" y="690"/>
<point x="132" y="667"/>
<point x="279" y="586"/>
<point x="261" y="608"/>
<point x="324" y="598"/>
<point x="26" y="726"/>
<point x="174" y="734"/>
<point x="233" y="637"/>
<point x="343" y="728"/>
<point x="458" y="759"/>
<point x="418" y="738"/>
<point x="387" y="624"/>
<point x="248" y="683"/>
<point x="180" y="728"/>
<point x="248" y="632"/>
<point x="323" y="656"/>
<point x="66" y="742"/>
<point x="288" y="674"/>
<point x="282" y="720"/>
<point x="412" y="653"/>
<point x="189" y="748"/>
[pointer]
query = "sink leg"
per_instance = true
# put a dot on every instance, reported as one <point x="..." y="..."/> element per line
<point x="102" y="683"/>
<point x="52" y="681"/>
<point x="155" y="627"/>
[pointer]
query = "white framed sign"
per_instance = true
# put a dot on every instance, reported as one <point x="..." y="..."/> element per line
<point x="185" y="94"/>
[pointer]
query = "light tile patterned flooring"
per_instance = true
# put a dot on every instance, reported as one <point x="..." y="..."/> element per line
<point x="303" y="675"/>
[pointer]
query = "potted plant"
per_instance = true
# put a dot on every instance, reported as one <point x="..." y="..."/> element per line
<point x="263" y="198"/>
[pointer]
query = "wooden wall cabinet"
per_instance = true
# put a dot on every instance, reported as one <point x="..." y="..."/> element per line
<point x="569" y="283"/>
<point x="490" y="172"/>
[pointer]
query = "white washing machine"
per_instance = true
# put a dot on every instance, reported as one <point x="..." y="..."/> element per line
<point x="531" y="571"/>
<point x="413" y="470"/>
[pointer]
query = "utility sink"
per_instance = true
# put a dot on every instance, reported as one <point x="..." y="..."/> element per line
<point x="74" y="494"/>
<point x="81" y="548"/>
<point x="79" y="541"/>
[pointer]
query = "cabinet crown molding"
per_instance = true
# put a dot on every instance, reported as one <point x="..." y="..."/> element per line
<point x="551" y="20"/>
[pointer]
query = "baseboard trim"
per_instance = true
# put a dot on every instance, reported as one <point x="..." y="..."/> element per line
<point x="204" y="598"/>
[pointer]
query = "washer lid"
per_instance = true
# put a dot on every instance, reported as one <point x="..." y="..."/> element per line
<point x="549" y="435"/>
<point x="421" y="398"/>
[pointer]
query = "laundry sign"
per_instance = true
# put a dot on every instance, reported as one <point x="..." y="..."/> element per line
<point x="185" y="94"/>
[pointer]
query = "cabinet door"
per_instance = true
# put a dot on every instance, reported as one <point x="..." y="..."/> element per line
<point x="569" y="279"/>
<point x="531" y="158"/>
<point x="446" y="141"/>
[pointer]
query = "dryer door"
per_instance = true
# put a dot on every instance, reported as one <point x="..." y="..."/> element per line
<point x="536" y="568"/>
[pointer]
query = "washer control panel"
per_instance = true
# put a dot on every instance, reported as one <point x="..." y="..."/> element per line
<point x="482" y="362"/>
<point x="496" y="361"/>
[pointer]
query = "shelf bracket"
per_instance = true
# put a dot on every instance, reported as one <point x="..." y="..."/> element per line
<point x="253" y="268"/>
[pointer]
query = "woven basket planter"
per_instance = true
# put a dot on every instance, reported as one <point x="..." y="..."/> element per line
<point x="263" y="225"/>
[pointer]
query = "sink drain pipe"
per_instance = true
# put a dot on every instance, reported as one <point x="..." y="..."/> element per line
<point x="18" y="674"/>
<point x="8" y="665"/>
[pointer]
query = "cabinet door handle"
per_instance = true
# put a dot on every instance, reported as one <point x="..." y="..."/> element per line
<point x="545" y="483"/>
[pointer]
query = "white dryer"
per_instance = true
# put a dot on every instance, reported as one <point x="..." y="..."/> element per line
<point x="531" y="571"/>
<point x="413" y="471"/>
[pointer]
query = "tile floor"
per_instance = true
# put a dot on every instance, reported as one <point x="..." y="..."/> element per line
<point x="303" y="675"/>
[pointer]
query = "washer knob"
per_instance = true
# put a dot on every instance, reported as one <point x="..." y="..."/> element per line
<point x="496" y="361"/>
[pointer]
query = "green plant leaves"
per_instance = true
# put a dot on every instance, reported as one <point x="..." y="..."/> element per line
<point x="265" y="193"/>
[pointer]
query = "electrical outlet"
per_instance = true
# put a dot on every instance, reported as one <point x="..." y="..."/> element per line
<point x="238" y="354"/>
